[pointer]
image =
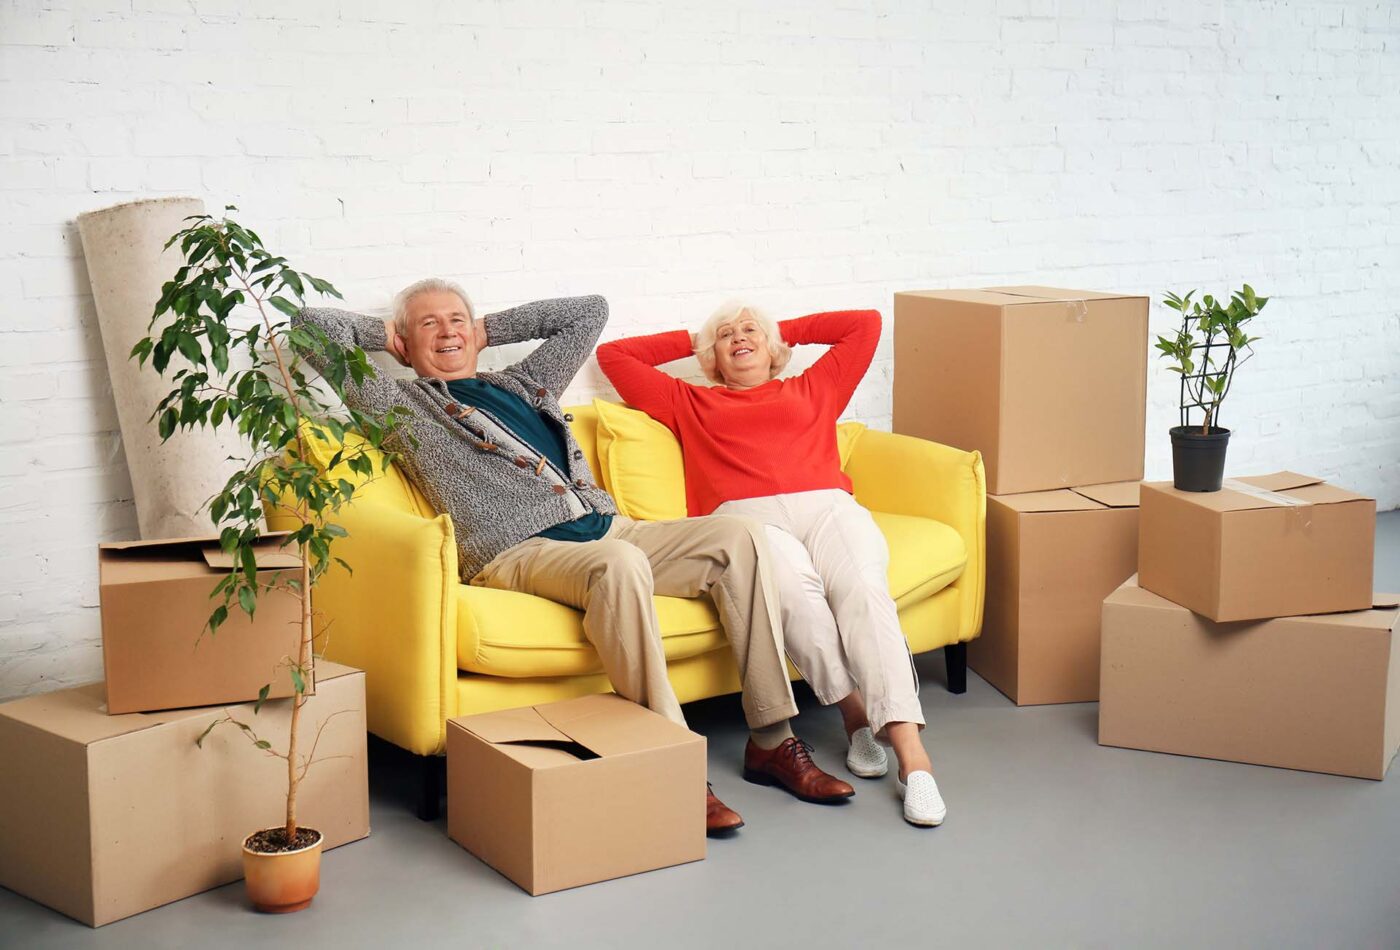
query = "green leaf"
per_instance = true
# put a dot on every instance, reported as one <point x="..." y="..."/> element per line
<point x="217" y="618"/>
<point x="205" y="734"/>
<point x="298" y="682"/>
<point x="262" y="697"/>
<point x="263" y="744"/>
<point x="285" y="305"/>
<point x="247" y="600"/>
<point x="189" y="347"/>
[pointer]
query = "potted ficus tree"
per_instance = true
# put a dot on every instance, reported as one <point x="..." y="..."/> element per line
<point x="225" y="312"/>
<point x="1212" y="343"/>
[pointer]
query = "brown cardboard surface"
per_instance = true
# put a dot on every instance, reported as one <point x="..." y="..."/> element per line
<point x="119" y="814"/>
<point x="1049" y="385"/>
<point x="1232" y="555"/>
<point x="1318" y="693"/>
<point x="155" y="603"/>
<point x="550" y="819"/>
<point x="1051" y="559"/>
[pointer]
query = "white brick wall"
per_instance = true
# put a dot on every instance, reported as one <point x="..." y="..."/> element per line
<point x="807" y="154"/>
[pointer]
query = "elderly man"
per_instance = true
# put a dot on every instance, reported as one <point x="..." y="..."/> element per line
<point x="494" y="451"/>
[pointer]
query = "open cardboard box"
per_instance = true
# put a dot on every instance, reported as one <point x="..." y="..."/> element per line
<point x="156" y="653"/>
<point x="1318" y="693"/>
<point x="1269" y="546"/>
<point x="102" y="816"/>
<point x="1052" y="557"/>
<point x="574" y="792"/>
<point x="1050" y="385"/>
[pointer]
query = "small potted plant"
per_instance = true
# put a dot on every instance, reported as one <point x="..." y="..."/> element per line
<point x="1212" y="343"/>
<point x="223" y="306"/>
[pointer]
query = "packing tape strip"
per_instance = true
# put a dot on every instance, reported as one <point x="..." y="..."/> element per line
<point x="1263" y="494"/>
<point x="1077" y="310"/>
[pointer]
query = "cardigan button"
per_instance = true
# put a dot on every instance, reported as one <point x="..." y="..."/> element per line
<point x="559" y="489"/>
<point x="452" y="408"/>
<point x="578" y="453"/>
<point x="541" y="392"/>
<point x="522" y="461"/>
<point x="580" y="483"/>
<point x="569" y="417"/>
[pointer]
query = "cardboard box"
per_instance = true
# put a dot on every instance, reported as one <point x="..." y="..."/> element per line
<point x="1318" y="693"/>
<point x="155" y="604"/>
<point x="1049" y="385"/>
<point x="1271" y="546"/>
<point x="575" y="792"/>
<point x="1052" y="557"/>
<point x="102" y="817"/>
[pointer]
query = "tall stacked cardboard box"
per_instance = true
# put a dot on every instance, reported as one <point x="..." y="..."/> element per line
<point x="1252" y="633"/>
<point x="111" y="808"/>
<point x="1050" y="386"/>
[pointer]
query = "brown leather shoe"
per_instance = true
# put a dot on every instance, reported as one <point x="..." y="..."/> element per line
<point x="720" y="819"/>
<point x="790" y="765"/>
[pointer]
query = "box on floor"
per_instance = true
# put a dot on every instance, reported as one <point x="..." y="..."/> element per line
<point x="1318" y="693"/>
<point x="104" y="816"/>
<point x="574" y="792"/>
<point x="1268" y="546"/>
<point x="155" y="605"/>
<point x="1052" y="557"/>
<point x="1049" y="385"/>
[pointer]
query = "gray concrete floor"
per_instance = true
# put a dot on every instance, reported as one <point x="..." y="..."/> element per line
<point x="1051" y="841"/>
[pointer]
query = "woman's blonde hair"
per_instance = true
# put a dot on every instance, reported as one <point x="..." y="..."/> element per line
<point x="728" y="313"/>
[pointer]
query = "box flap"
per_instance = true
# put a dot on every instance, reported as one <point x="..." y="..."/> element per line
<point x="268" y="552"/>
<point x="1113" y="494"/>
<point x="158" y="543"/>
<point x="610" y="725"/>
<point x="965" y="296"/>
<point x="1060" y="499"/>
<point x="1035" y="293"/>
<point x="1279" y="490"/>
<point x="512" y="725"/>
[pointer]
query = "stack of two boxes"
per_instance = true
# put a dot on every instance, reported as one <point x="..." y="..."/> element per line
<point x="1050" y="386"/>
<point x="109" y="808"/>
<point x="1251" y="632"/>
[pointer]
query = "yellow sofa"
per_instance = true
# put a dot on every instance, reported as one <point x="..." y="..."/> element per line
<point x="434" y="648"/>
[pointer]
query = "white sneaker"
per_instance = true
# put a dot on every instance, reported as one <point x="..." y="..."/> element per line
<point x="864" y="757"/>
<point x="923" y="805"/>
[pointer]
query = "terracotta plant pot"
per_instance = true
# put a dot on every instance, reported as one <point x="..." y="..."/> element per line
<point x="281" y="882"/>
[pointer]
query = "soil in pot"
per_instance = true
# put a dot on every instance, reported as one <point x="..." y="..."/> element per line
<point x="282" y="876"/>
<point x="1198" y="458"/>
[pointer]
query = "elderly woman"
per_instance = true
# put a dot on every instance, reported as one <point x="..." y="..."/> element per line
<point x="765" y="448"/>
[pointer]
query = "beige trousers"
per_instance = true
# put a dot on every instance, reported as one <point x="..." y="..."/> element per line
<point x="840" y="626"/>
<point x="612" y="581"/>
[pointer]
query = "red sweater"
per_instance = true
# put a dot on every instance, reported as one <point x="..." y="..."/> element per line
<point x="774" y="439"/>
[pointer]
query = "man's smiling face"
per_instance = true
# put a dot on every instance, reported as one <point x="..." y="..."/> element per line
<point x="441" y="342"/>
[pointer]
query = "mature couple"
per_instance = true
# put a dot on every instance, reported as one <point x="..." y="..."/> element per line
<point x="495" y="452"/>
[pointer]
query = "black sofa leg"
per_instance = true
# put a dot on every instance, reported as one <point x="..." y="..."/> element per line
<point x="955" y="654"/>
<point x="432" y="777"/>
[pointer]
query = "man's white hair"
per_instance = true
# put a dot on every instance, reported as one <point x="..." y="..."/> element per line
<point x="728" y="313"/>
<point x="428" y="285"/>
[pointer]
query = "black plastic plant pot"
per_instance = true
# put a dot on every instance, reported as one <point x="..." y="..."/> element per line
<point x="1198" y="459"/>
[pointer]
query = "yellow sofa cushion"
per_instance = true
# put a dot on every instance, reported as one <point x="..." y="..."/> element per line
<point x="641" y="463"/>
<point x="642" y="466"/>
<point x="386" y="487"/>
<point x="507" y="633"/>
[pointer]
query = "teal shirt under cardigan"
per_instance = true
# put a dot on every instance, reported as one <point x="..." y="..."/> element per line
<point x="531" y="427"/>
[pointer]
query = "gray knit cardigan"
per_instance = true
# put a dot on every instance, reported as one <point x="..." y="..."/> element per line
<point x="469" y="466"/>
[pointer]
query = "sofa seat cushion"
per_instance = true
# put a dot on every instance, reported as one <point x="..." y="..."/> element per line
<point x="507" y="633"/>
<point x="925" y="556"/>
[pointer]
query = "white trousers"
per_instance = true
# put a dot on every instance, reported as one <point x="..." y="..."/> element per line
<point x="840" y="625"/>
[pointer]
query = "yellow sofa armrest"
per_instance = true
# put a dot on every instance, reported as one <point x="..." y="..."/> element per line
<point x="395" y="617"/>
<point x="903" y="475"/>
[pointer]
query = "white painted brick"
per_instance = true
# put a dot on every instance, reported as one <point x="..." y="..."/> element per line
<point x="806" y="155"/>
